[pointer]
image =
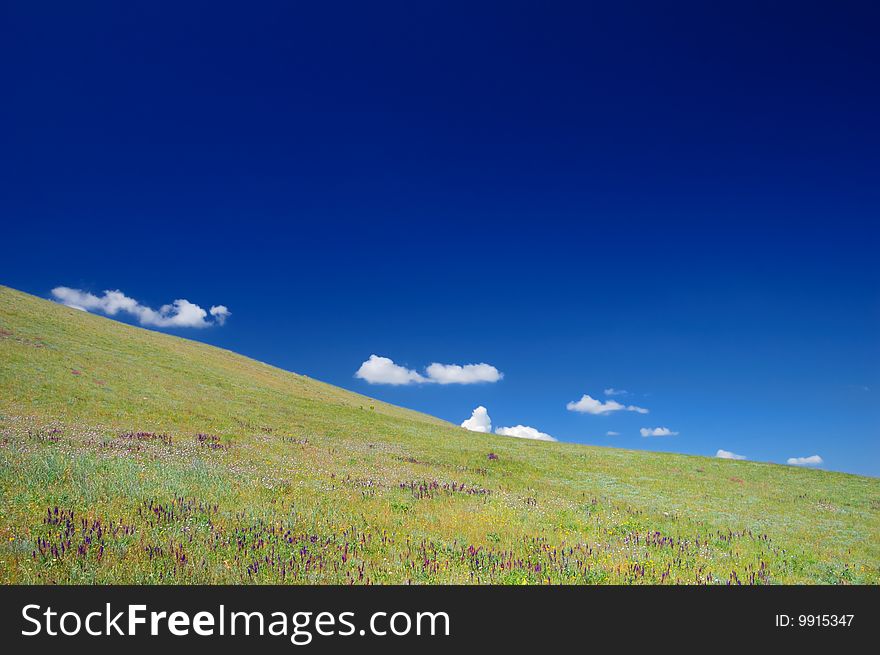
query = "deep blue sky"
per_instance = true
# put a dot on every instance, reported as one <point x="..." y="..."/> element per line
<point x="681" y="201"/>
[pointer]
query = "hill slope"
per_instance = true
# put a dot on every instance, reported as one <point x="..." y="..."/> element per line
<point x="130" y="456"/>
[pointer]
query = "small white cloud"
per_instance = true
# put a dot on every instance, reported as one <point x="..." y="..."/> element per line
<point x="381" y="370"/>
<point x="612" y="433"/>
<point x="611" y="391"/>
<point x="726" y="454"/>
<point x="220" y="313"/>
<point x="589" y="405"/>
<point x="178" y="314"/>
<point x="467" y="374"/>
<point x="657" y="432"/>
<point x="479" y="421"/>
<point x="524" y="432"/>
<point x="812" y="460"/>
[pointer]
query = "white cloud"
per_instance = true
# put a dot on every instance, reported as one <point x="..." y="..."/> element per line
<point x="524" y="432"/>
<point x="611" y="391"/>
<point x="612" y="433"/>
<point x="180" y="313"/>
<point x="726" y="454"/>
<point x="657" y="432"/>
<point x="220" y="313"/>
<point x="381" y="370"/>
<point x="812" y="460"/>
<point x="479" y="421"/>
<point x="589" y="405"/>
<point x="467" y="374"/>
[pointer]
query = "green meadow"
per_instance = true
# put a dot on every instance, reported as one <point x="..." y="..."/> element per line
<point x="131" y="456"/>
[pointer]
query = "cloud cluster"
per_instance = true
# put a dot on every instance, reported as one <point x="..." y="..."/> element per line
<point x="611" y="391"/>
<point x="726" y="454"/>
<point x="812" y="460"/>
<point x="382" y="370"/>
<point x="657" y="432"/>
<point x="524" y="432"/>
<point x="178" y="314"/>
<point x="612" y="433"/>
<point x="479" y="421"/>
<point x="589" y="405"/>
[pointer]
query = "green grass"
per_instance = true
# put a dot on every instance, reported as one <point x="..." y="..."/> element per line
<point x="302" y="482"/>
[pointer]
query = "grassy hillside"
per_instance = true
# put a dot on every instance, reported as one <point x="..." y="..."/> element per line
<point x="130" y="456"/>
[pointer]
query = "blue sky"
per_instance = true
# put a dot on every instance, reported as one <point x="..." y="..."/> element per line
<point x="681" y="202"/>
